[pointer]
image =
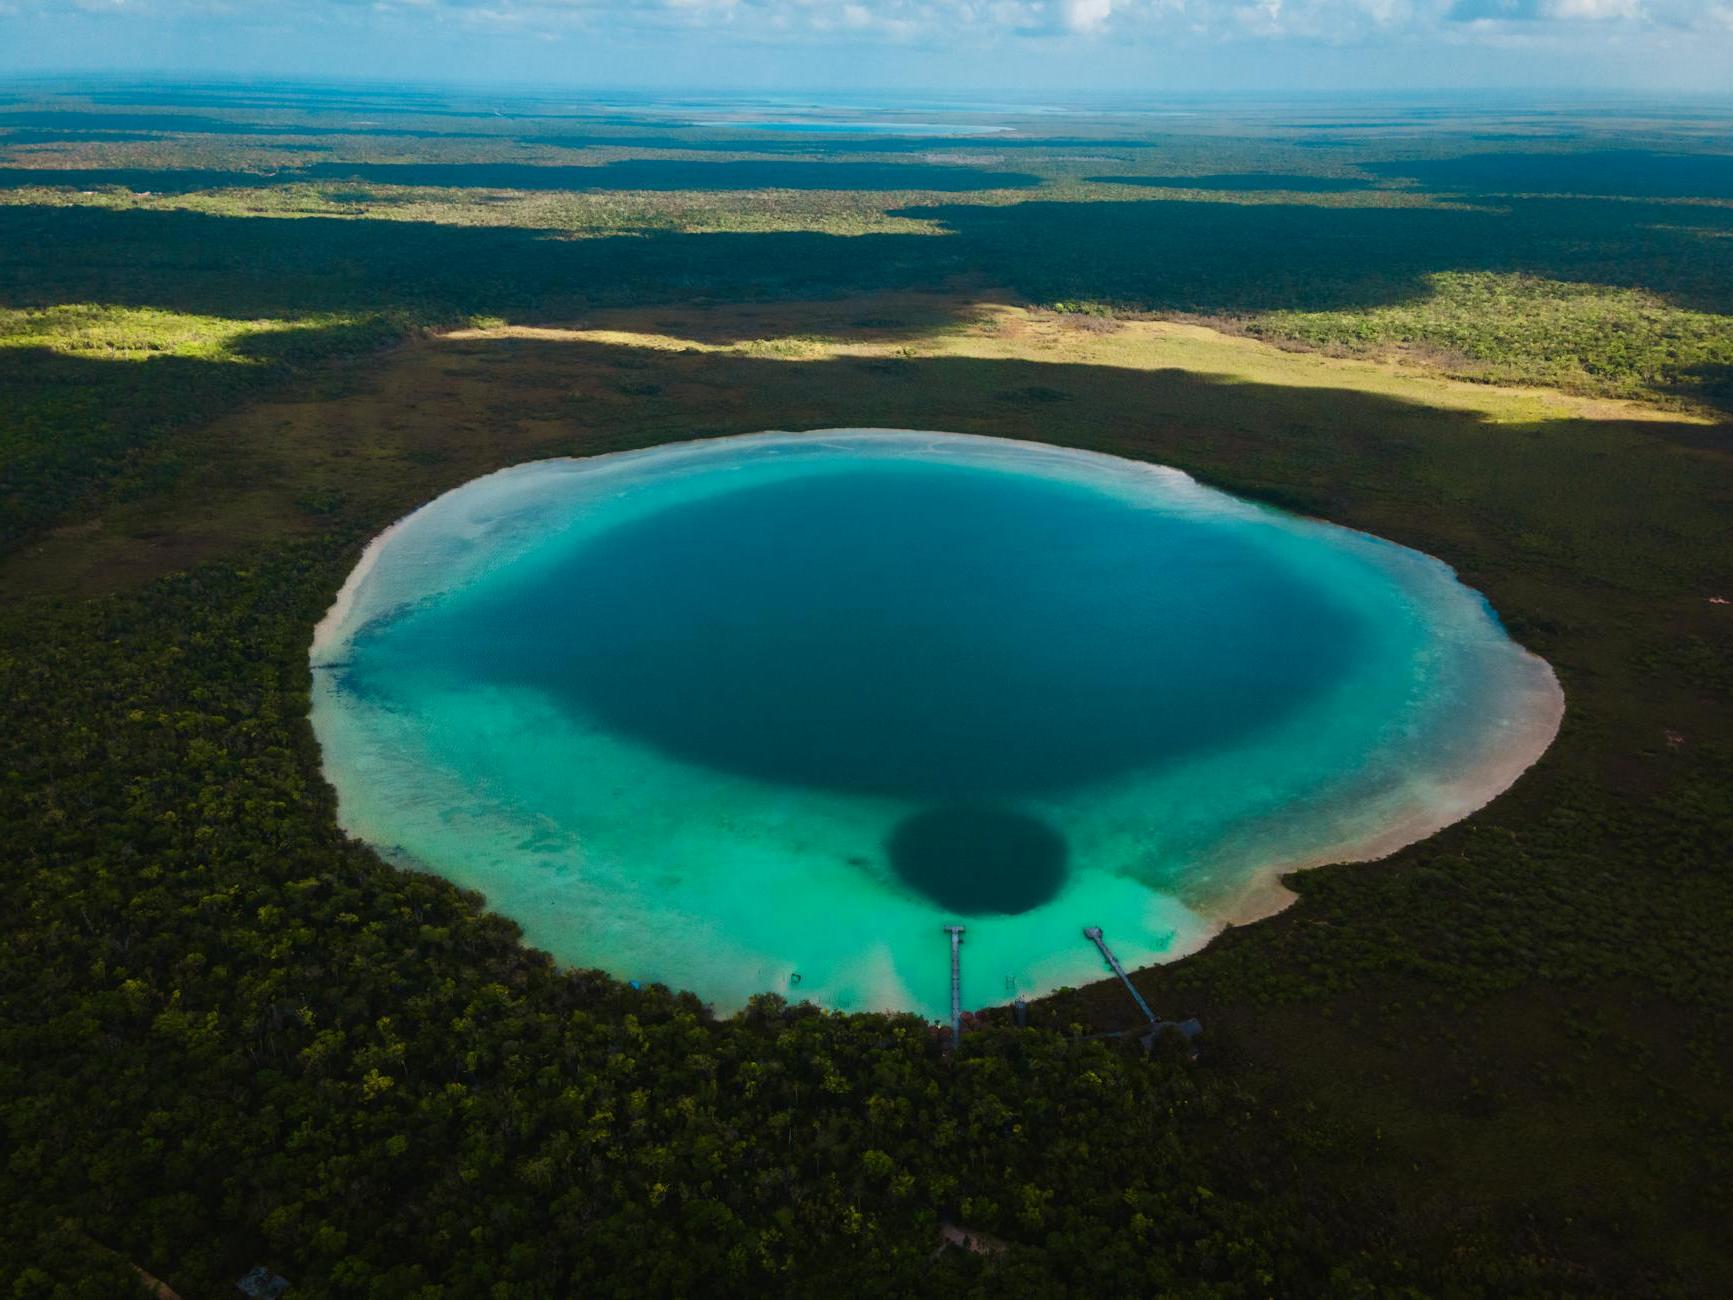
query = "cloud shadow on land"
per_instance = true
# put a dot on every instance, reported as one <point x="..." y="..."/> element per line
<point x="672" y="175"/>
<point x="1234" y="258"/>
<point x="1165" y="256"/>
<point x="33" y="135"/>
<point x="653" y="175"/>
<point x="140" y="180"/>
<point x="1239" y="182"/>
<point x="1629" y="173"/>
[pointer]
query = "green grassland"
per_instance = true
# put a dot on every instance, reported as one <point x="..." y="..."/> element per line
<point x="1495" y="1064"/>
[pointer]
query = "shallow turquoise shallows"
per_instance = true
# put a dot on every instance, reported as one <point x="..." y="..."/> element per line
<point x="765" y="713"/>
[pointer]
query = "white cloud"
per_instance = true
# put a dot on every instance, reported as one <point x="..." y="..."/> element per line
<point x="1087" y="15"/>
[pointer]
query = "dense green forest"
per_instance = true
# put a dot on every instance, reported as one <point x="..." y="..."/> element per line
<point x="1495" y="1064"/>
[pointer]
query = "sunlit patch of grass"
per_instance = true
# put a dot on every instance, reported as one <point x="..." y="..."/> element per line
<point x="94" y="332"/>
<point x="1514" y="328"/>
<point x="794" y="347"/>
<point x="1094" y="334"/>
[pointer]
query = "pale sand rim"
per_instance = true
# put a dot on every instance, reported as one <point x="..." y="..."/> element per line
<point x="1265" y="895"/>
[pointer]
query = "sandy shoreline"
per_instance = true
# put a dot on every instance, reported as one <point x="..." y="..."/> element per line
<point x="326" y="633"/>
<point x="1265" y="894"/>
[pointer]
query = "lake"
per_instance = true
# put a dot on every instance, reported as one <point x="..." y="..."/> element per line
<point x="765" y="713"/>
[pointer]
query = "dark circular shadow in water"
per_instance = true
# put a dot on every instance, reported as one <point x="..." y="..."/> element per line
<point x="976" y="860"/>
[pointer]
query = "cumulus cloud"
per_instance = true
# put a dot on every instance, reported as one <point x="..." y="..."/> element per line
<point x="1087" y="15"/>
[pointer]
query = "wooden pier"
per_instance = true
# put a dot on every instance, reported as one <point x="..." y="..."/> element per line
<point x="1093" y="933"/>
<point x="956" y="933"/>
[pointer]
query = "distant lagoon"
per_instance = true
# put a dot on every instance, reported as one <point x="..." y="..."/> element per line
<point x="764" y="713"/>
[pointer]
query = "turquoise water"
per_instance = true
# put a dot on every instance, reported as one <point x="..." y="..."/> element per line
<point x="765" y="713"/>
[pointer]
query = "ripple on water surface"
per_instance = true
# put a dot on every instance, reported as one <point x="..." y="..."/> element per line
<point x="763" y="713"/>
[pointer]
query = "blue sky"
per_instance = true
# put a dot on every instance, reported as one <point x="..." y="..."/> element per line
<point x="1145" y="46"/>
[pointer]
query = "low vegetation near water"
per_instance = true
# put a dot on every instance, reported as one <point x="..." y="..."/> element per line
<point x="1498" y="1064"/>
